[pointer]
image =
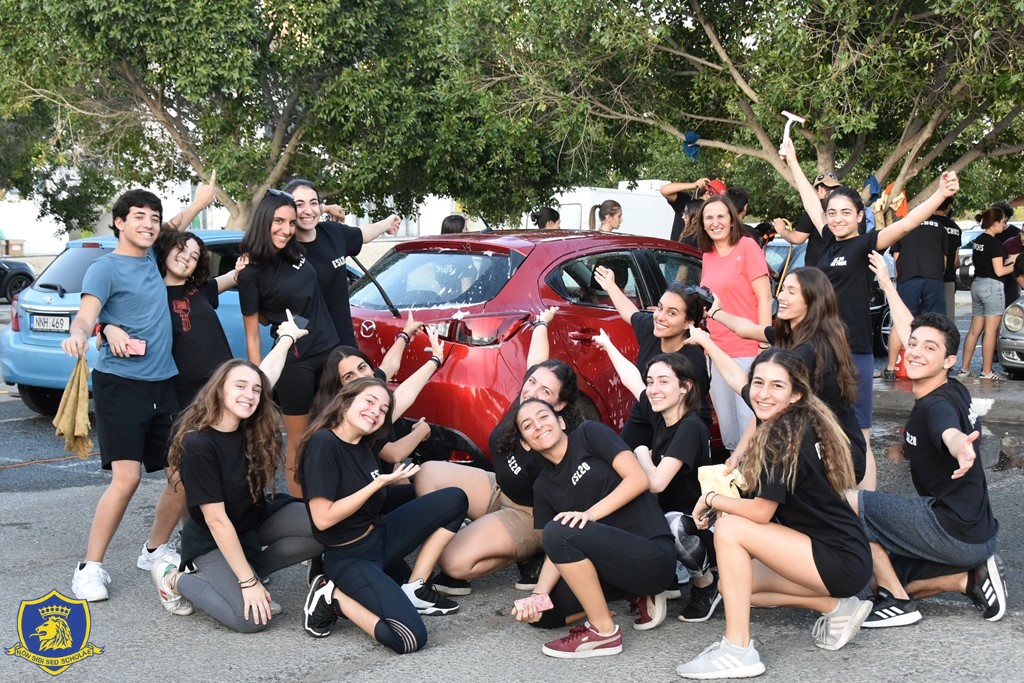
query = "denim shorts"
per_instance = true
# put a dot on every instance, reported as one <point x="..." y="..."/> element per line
<point x="918" y="546"/>
<point x="987" y="297"/>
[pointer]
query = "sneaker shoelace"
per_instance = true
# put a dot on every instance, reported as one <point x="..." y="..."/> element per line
<point x="576" y="633"/>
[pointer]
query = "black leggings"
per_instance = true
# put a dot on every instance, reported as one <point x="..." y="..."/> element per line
<point x="358" y="569"/>
<point x="627" y="565"/>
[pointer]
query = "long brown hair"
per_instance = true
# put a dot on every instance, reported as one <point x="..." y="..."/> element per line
<point x="823" y="330"/>
<point x="775" y="447"/>
<point x="334" y="414"/>
<point x="263" y="445"/>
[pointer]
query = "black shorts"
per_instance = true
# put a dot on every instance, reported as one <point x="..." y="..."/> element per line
<point x="133" y="419"/>
<point x="298" y="384"/>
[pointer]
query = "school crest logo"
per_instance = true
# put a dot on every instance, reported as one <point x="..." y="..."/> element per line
<point x="54" y="632"/>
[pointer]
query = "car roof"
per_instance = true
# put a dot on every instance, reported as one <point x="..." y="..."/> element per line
<point x="208" y="236"/>
<point x="525" y="241"/>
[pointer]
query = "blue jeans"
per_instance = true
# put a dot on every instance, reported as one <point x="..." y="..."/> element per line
<point x="923" y="295"/>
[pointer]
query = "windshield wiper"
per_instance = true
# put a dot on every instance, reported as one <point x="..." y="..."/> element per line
<point x="387" y="300"/>
<point x="56" y="287"/>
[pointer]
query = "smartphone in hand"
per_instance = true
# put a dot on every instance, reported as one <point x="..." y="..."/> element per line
<point x="541" y="602"/>
<point x="135" y="347"/>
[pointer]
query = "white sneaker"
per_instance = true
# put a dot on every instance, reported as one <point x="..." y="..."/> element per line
<point x="723" y="660"/>
<point x="163" y="573"/>
<point x="165" y="552"/>
<point x="90" y="582"/>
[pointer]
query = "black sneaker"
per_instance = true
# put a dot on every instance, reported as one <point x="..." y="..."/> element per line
<point x="449" y="586"/>
<point x="703" y="602"/>
<point x="986" y="588"/>
<point x="889" y="375"/>
<point x="889" y="611"/>
<point x="318" y="613"/>
<point x="427" y="601"/>
<point x="529" y="572"/>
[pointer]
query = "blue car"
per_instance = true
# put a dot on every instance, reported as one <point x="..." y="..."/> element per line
<point x="30" y="353"/>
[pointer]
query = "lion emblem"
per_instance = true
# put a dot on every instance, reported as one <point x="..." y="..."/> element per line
<point x="53" y="634"/>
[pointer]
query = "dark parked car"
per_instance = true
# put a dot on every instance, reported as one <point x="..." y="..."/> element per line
<point x="1010" y="342"/>
<point x="14" y="277"/>
<point x="480" y="291"/>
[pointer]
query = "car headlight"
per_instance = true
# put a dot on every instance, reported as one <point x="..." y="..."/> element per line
<point x="1013" y="318"/>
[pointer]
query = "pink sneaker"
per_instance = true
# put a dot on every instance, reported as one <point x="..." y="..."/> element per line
<point x="653" y="609"/>
<point x="584" y="641"/>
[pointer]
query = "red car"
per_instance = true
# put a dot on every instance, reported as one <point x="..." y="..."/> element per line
<point x="481" y="290"/>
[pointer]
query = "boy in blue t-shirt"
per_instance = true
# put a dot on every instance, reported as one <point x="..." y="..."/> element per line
<point x="133" y="390"/>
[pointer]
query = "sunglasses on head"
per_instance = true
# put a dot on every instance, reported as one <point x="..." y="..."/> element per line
<point x="821" y="177"/>
<point x="280" y="193"/>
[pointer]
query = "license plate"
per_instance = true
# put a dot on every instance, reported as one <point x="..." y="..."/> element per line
<point x="50" y="323"/>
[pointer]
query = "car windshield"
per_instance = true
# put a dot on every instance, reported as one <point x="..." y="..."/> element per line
<point x="435" y="279"/>
<point x="67" y="270"/>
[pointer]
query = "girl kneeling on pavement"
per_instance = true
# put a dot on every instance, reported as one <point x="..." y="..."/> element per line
<point x="604" y="534"/>
<point x="344" y="489"/>
<point x="797" y="543"/>
<point x="226" y="448"/>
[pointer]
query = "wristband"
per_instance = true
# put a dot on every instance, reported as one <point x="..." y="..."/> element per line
<point x="403" y="335"/>
<point x="707" y="503"/>
<point x="436" y="360"/>
<point x="713" y="313"/>
<point x="250" y="582"/>
<point x="282" y="336"/>
<point x="540" y="323"/>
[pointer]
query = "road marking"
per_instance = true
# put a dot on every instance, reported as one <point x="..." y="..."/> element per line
<point x="21" y="419"/>
<point x="983" y="405"/>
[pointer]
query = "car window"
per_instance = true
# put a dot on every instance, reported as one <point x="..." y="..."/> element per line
<point x="574" y="280"/>
<point x="222" y="258"/>
<point x="435" y="279"/>
<point x="968" y="236"/>
<point x="68" y="270"/>
<point x="676" y="266"/>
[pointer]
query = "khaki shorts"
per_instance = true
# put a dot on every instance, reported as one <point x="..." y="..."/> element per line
<point x="517" y="519"/>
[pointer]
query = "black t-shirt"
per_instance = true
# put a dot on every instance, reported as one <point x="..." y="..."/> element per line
<point x="649" y="346"/>
<point x="961" y="505"/>
<point x="199" y="345"/>
<point x="333" y="469"/>
<point x="922" y="252"/>
<point x="814" y="508"/>
<point x="688" y="440"/>
<point x="815" y="242"/>
<point x="270" y="289"/>
<point x="986" y="248"/>
<point x="333" y="244"/>
<point x="585" y="475"/>
<point x="515" y="472"/>
<point x="828" y="391"/>
<point x="953" y="233"/>
<point x="213" y="470"/>
<point x="845" y="262"/>
<point x="679" y="209"/>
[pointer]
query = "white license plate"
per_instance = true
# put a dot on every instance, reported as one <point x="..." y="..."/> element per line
<point x="50" y="323"/>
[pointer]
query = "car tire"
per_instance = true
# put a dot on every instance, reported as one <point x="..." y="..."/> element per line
<point x="1014" y="374"/>
<point x="882" y="334"/>
<point x="40" y="400"/>
<point x="16" y="284"/>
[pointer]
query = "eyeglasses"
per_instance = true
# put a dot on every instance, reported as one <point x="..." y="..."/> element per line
<point x="280" y="193"/>
<point x="821" y="177"/>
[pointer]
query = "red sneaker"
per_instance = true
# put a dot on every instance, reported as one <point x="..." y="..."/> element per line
<point x="584" y="641"/>
<point x="653" y="609"/>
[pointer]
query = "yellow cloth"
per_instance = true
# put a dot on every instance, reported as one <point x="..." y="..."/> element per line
<point x="72" y="419"/>
<point x="713" y="478"/>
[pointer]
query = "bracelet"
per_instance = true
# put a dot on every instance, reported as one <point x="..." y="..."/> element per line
<point x="403" y="335"/>
<point x="282" y="336"/>
<point x="250" y="582"/>
<point x="713" y="313"/>
<point x="707" y="503"/>
<point x="436" y="360"/>
<point x="540" y="323"/>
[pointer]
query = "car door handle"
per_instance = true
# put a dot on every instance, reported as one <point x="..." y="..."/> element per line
<point x="585" y="335"/>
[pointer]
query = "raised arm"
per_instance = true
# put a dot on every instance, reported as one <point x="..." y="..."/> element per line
<point x="230" y="280"/>
<point x="392" y="360"/>
<point x="606" y="278"/>
<point x="901" y="315"/>
<point x="628" y="373"/>
<point x="407" y="391"/>
<point x="670" y="191"/>
<point x="205" y="195"/>
<point x="811" y="202"/>
<point x="949" y="184"/>
<point x="540" y="346"/>
<point x="739" y="325"/>
<point x="731" y="371"/>
<point x="287" y="334"/>
<point x="389" y="225"/>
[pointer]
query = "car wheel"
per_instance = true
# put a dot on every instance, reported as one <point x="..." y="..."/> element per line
<point x="882" y="334"/>
<point x="16" y="284"/>
<point x="40" y="400"/>
<point x="1014" y="374"/>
